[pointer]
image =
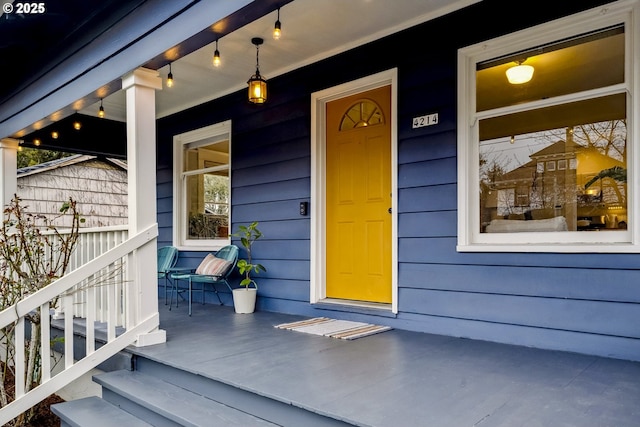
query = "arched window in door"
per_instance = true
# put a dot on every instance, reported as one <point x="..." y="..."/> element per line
<point x="363" y="112"/>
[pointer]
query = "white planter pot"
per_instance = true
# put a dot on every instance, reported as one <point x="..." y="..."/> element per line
<point x="244" y="300"/>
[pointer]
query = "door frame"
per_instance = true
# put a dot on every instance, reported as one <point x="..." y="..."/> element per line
<point x="318" y="162"/>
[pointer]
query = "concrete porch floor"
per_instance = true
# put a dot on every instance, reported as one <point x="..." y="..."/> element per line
<point x="400" y="378"/>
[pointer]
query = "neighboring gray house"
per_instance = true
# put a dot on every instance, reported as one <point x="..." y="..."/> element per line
<point x="99" y="185"/>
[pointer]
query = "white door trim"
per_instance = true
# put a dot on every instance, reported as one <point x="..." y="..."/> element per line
<point x="318" y="159"/>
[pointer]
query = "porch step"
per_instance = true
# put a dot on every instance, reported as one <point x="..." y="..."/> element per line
<point x="156" y="394"/>
<point x="280" y="413"/>
<point x="161" y="403"/>
<point x="87" y="412"/>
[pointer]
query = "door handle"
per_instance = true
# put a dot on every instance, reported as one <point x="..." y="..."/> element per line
<point x="390" y="210"/>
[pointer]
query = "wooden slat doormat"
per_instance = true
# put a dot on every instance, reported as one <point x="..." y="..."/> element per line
<point x="343" y="329"/>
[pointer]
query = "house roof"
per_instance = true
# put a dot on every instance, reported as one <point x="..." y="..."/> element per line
<point x="32" y="44"/>
<point x="555" y="149"/>
<point x="67" y="161"/>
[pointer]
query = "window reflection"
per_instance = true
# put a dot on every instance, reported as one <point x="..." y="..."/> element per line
<point x="572" y="177"/>
<point x="207" y="190"/>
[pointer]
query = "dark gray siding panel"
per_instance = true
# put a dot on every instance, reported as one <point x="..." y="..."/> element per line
<point x="442" y="250"/>
<point x="608" y="346"/>
<point x="427" y="147"/>
<point x="164" y="195"/>
<point x="578" y="302"/>
<point x="286" y="190"/>
<point x="423" y="224"/>
<point x="421" y="199"/>
<point x="273" y="172"/>
<point x="266" y="211"/>
<point x="544" y="282"/>
<point x="598" y="317"/>
<point x="431" y="172"/>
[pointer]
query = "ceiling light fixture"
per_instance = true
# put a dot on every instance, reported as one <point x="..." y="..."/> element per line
<point x="77" y="125"/>
<point x="257" y="84"/>
<point x="36" y="142"/>
<point x="277" y="28"/>
<point x="55" y="134"/>
<point x="216" y="56"/>
<point x="101" y="110"/>
<point x="519" y="74"/>
<point x="170" y="77"/>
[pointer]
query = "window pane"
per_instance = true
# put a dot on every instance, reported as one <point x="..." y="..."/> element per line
<point x="206" y="156"/>
<point x="578" y="64"/>
<point x="208" y="201"/>
<point x="207" y="193"/>
<point x="573" y="177"/>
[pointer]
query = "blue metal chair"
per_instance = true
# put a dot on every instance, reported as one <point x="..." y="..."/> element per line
<point x="167" y="258"/>
<point x="228" y="253"/>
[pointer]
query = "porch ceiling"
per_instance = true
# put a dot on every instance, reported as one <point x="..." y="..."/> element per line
<point x="311" y="30"/>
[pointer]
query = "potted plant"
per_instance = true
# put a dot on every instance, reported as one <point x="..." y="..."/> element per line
<point x="244" y="298"/>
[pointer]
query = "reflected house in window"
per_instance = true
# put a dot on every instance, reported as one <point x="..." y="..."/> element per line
<point x="563" y="179"/>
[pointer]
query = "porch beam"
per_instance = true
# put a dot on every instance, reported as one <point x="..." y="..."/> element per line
<point x="95" y="71"/>
<point x="8" y="169"/>
<point x="140" y="87"/>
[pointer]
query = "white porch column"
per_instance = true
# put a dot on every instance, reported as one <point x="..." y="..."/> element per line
<point x="8" y="170"/>
<point x="140" y="86"/>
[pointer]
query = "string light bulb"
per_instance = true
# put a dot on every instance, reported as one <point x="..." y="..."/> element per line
<point x="77" y="125"/>
<point x="277" y="28"/>
<point x="36" y="142"/>
<point x="170" y="77"/>
<point x="101" y="110"/>
<point x="216" y="56"/>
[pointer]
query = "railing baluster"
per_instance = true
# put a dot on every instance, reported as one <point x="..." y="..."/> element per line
<point x="90" y="319"/>
<point x="19" y="357"/>
<point x="121" y="288"/>
<point x="67" y="304"/>
<point x="45" y="342"/>
<point x="112" y="312"/>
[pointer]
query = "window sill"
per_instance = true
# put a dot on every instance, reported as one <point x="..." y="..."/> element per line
<point x="552" y="248"/>
<point x="204" y="245"/>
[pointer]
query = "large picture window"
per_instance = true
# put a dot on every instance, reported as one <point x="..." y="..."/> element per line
<point x="545" y="156"/>
<point x="202" y="160"/>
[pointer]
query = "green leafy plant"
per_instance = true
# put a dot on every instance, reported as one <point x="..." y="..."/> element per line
<point x="248" y="234"/>
<point x="618" y="173"/>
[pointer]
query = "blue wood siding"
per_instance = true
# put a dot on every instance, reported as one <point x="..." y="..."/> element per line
<point x="577" y="302"/>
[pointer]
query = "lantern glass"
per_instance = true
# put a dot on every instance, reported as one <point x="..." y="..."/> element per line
<point x="257" y="90"/>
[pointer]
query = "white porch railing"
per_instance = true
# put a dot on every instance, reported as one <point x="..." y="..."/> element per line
<point x="67" y="289"/>
<point x="93" y="242"/>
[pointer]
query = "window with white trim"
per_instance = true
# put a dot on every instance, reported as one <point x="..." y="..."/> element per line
<point x="543" y="161"/>
<point x="202" y="165"/>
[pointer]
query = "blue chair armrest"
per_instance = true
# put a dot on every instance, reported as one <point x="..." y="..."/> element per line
<point x="180" y="272"/>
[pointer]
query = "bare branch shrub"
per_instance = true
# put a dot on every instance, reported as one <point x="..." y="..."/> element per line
<point x="34" y="252"/>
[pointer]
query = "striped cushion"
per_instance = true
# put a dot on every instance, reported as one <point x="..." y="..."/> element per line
<point x="213" y="266"/>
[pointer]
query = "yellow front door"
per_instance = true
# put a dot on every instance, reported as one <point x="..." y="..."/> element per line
<point x="358" y="197"/>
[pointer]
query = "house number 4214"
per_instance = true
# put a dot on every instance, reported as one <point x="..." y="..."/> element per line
<point x="428" y="120"/>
